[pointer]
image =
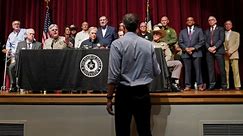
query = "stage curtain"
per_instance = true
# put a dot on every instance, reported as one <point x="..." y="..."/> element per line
<point x="66" y="12"/>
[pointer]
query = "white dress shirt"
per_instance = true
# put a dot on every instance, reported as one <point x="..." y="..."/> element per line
<point x="80" y="37"/>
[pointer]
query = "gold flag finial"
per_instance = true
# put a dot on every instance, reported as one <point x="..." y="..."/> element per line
<point x="47" y="2"/>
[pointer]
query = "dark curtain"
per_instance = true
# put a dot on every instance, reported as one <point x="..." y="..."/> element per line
<point x="31" y="13"/>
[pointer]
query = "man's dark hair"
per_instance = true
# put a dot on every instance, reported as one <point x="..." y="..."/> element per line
<point x="131" y="21"/>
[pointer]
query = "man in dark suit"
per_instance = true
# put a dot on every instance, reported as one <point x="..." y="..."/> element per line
<point x="191" y="40"/>
<point x="28" y="43"/>
<point x="214" y="38"/>
<point x="106" y="34"/>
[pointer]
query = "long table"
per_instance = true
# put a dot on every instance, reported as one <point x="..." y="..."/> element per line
<point x="73" y="69"/>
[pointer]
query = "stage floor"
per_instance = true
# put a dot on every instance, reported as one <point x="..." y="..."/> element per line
<point x="188" y="97"/>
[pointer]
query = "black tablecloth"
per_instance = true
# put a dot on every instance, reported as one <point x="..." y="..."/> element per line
<point x="61" y="70"/>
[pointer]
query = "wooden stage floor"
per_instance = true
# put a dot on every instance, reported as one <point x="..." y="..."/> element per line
<point x="189" y="97"/>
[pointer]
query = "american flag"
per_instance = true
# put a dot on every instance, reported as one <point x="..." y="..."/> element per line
<point x="47" y="23"/>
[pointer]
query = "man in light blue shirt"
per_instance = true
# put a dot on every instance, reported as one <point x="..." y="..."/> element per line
<point x="132" y="67"/>
<point x="18" y="34"/>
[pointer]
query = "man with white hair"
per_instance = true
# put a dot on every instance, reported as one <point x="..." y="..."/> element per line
<point x="170" y="37"/>
<point x="17" y="35"/>
<point x="92" y="42"/>
<point x="214" y="39"/>
<point x="28" y="44"/>
<point x="55" y="41"/>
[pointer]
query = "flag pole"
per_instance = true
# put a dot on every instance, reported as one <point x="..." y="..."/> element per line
<point x="47" y="23"/>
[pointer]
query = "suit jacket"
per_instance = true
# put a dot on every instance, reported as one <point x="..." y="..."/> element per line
<point x="23" y="45"/>
<point x="110" y="36"/>
<point x="196" y="41"/>
<point x="232" y="44"/>
<point x="218" y="39"/>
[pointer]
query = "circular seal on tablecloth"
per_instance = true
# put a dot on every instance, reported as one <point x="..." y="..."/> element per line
<point x="91" y="65"/>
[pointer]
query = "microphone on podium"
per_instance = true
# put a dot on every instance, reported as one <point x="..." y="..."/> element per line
<point x="52" y="44"/>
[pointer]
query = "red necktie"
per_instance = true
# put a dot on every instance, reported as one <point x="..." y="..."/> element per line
<point x="211" y="36"/>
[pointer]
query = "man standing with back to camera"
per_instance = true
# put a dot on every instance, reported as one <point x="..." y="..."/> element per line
<point x="132" y="67"/>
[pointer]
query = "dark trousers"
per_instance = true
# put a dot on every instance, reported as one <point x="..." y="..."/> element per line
<point x="132" y="101"/>
<point x="188" y="70"/>
<point x="211" y="63"/>
<point x="12" y="74"/>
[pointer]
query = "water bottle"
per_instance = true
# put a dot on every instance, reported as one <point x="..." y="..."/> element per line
<point x="195" y="86"/>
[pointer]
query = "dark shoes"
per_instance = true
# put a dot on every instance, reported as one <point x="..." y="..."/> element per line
<point x="13" y="89"/>
<point x="175" y="88"/>
<point x="189" y="89"/>
<point x="211" y="88"/>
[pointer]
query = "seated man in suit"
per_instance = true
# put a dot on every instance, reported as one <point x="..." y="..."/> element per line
<point x="191" y="40"/>
<point x="176" y="65"/>
<point x="92" y="42"/>
<point x="106" y="34"/>
<point x="28" y="44"/>
<point x="55" y="41"/>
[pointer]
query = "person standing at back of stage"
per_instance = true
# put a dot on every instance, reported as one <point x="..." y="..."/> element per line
<point x="67" y="34"/>
<point x="55" y="41"/>
<point x="82" y="35"/>
<point x="231" y="45"/>
<point x="214" y="39"/>
<point x="132" y="67"/>
<point x="17" y="35"/>
<point x="106" y="34"/>
<point x="73" y="32"/>
<point x="191" y="40"/>
<point x="170" y="37"/>
<point x="143" y="32"/>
